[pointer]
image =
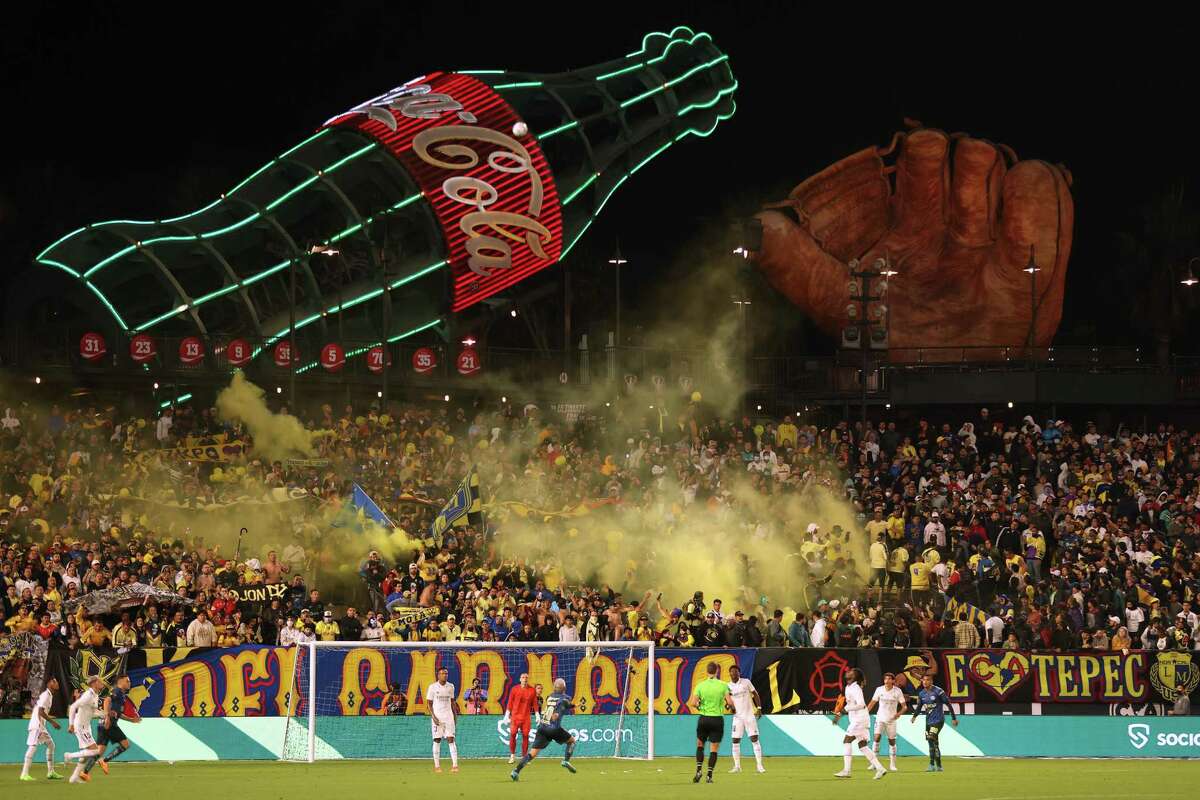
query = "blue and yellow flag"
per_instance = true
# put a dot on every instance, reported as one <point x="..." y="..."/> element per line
<point x="465" y="507"/>
<point x="959" y="609"/>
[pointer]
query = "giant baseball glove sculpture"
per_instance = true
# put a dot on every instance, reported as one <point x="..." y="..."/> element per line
<point x="957" y="217"/>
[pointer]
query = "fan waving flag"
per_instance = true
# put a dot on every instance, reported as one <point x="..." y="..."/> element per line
<point x="361" y="500"/>
<point x="465" y="507"/>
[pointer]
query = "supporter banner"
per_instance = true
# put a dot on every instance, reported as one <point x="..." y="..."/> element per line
<point x="308" y="462"/>
<point x="260" y="594"/>
<point x="22" y="662"/>
<point x="74" y="668"/>
<point x="105" y="601"/>
<point x="810" y="679"/>
<point x="208" y="448"/>
<point x="242" y="738"/>
<point x="256" y="680"/>
<point x="270" y="497"/>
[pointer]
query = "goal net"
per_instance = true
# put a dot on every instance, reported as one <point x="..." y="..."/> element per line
<point x="367" y="699"/>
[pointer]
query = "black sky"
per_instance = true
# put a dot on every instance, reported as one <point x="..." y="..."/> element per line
<point x="124" y="110"/>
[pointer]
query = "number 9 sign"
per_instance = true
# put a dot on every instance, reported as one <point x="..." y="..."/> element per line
<point x="191" y="351"/>
<point x="238" y="352"/>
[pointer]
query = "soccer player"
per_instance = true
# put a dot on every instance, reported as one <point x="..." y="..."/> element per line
<point x="709" y="700"/>
<point x="521" y="703"/>
<point x="443" y="713"/>
<point x="930" y="701"/>
<point x="79" y="722"/>
<point x="38" y="733"/>
<point x="890" y="699"/>
<point x="558" y="705"/>
<point x="746" y="707"/>
<point x="110" y="729"/>
<point x="858" y="730"/>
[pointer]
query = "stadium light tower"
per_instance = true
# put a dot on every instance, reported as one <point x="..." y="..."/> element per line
<point x="617" y="261"/>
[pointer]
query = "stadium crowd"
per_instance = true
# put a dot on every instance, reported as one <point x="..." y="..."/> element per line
<point x="1039" y="536"/>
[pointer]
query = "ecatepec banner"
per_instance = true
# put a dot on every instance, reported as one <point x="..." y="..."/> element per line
<point x="811" y="679"/>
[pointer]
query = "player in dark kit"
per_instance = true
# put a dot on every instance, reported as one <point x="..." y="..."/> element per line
<point x="551" y="730"/>
<point x="930" y="701"/>
<point x="110" y="729"/>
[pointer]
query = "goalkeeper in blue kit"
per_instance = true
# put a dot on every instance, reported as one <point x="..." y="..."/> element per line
<point x="930" y="701"/>
<point x="557" y="706"/>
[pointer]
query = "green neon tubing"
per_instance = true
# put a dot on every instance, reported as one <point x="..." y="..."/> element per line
<point x="585" y="184"/>
<point x="558" y="130"/>
<point x="658" y="58"/>
<point x="252" y="176"/>
<point x="60" y="265"/>
<point x="362" y="350"/>
<point x="524" y="85"/>
<point x="247" y="220"/>
<point x="107" y="305"/>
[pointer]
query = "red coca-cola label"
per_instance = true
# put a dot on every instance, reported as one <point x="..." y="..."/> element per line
<point x="191" y="351"/>
<point x="142" y="348"/>
<point x="468" y="362"/>
<point x="284" y="354"/>
<point x="238" y="352"/>
<point x="333" y="357"/>
<point x="424" y="360"/>
<point x="480" y="168"/>
<point x="375" y="359"/>
<point x="92" y="346"/>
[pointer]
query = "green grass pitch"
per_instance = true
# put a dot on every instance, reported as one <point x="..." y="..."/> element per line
<point x="663" y="779"/>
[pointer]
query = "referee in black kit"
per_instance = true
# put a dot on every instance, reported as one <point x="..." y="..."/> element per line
<point x="710" y="700"/>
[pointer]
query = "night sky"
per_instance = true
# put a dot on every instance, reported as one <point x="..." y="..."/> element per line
<point x="141" y="112"/>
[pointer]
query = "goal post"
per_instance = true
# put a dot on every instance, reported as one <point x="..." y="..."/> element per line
<point x="343" y="701"/>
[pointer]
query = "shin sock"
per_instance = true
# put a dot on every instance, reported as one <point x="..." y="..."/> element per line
<point x="28" y="760"/>
<point x="437" y="755"/>
<point x="847" y="756"/>
<point x="736" y="748"/>
<point x="712" y="762"/>
<point x="454" y="754"/>
<point x="525" y="759"/>
<point x="757" y="751"/>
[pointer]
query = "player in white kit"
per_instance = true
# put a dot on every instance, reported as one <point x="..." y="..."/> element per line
<point x="443" y="713"/>
<point x="746" y="705"/>
<point x="79" y="722"/>
<point x="38" y="735"/>
<point x="891" y="700"/>
<point x="858" y="730"/>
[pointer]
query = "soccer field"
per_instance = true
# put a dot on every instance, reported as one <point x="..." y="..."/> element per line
<point x="663" y="779"/>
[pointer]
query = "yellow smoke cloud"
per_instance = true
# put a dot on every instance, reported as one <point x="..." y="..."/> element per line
<point x="276" y="436"/>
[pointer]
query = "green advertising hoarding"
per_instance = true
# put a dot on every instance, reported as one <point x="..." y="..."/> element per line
<point x="250" y="738"/>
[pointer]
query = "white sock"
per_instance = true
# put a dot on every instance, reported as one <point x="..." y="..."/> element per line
<point x="737" y="754"/>
<point x="892" y="752"/>
<point x="437" y="755"/>
<point x="849" y="754"/>
<point x="871" y="757"/>
<point x="49" y="757"/>
<point x="453" y="754"/>
<point x="28" y="761"/>
<point x="757" y="751"/>
<point x="78" y="770"/>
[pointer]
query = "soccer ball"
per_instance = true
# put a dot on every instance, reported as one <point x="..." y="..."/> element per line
<point x="520" y="129"/>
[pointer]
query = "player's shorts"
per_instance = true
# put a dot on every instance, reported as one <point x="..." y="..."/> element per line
<point x="84" y="737"/>
<point x="860" y="730"/>
<point x="445" y="730"/>
<point x="934" y="729"/>
<point x="110" y="735"/>
<point x="38" y="736"/>
<point x="885" y="729"/>
<point x="550" y="733"/>
<point x="520" y="725"/>
<point x="746" y="725"/>
<point x="710" y="729"/>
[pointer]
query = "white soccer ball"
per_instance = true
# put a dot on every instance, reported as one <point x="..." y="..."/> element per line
<point x="520" y="129"/>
